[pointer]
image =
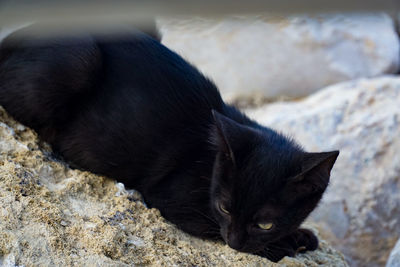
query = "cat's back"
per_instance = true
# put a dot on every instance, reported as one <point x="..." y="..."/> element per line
<point x="137" y="65"/>
<point x="126" y="62"/>
<point x="127" y="72"/>
<point x="145" y="84"/>
<point x="152" y="101"/>
<point x="117" y="105"/>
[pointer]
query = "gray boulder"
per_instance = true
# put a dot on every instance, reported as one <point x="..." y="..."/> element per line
<point x="291" y="56"/>
<point x="360" y="211"/>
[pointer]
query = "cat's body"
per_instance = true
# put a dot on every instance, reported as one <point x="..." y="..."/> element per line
<point x="135" y="111"/>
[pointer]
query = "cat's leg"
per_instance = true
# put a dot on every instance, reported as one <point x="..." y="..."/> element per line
<point x="300" y="241"/>
<point x="304" y="240"/>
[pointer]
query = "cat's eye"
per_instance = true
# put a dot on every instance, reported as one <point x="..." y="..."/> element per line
<point x="223" y="208"/>
<point x="265" y="226"/>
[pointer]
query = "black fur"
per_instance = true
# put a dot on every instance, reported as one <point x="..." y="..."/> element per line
<point x="129" y="108"/>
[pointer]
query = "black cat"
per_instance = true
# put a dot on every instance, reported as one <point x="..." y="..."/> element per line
<point x="129" y="108"/>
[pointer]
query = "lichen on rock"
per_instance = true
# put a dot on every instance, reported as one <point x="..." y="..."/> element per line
<point x="52" y="215"/>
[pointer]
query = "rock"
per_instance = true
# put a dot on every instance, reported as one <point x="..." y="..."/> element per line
<point x="394" y="258"/>
<point x="294" y="56"/>
<point x="51" y="215"/>
<point x="360" y="211"/>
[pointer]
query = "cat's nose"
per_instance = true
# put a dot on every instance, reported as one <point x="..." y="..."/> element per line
<point x="235" y="241"/>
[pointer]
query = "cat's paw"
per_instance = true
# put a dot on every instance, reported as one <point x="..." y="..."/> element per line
<point x="304" y="240"/>
<point x="300" y="241"/>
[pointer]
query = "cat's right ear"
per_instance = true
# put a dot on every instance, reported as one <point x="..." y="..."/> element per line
<point x="315" y="174"/>
<point x="228" y="136"/>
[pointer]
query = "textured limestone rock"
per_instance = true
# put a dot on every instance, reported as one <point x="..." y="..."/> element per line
<point x="360" y="212"/>
<point x="293" y="56"/>
<point x="51" y="215"/>
<point x="394" y="258"/>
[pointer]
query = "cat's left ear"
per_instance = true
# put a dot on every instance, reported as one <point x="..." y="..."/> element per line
<point x="315" y="172"/>
<point x="229" y="136"/>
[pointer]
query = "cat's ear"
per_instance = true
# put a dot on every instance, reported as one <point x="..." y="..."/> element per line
<point x="228" y="135"/>
<point x="315" y="172"/>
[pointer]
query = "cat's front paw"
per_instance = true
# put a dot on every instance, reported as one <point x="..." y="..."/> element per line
<point x="304" y="240"/>
<point x="300" y="241"/>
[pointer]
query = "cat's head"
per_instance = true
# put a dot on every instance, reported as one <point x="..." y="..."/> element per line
<point x="263" y="184"/>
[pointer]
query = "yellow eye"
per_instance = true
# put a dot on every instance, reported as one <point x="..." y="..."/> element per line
<point x="223" y="209"/>
<point x="265" y="226"/>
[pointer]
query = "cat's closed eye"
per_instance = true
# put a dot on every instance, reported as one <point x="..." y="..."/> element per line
<point x="265" y="226"/>
<point x="223" y="208"/>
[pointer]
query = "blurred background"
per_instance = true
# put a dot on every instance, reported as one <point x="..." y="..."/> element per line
<point x="324" y="72"/>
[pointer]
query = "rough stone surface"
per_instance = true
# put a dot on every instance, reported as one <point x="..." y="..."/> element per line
<point x="394" y="258"/>
<point x="293" y="56"/>
<point x="360" y="212"/>
<point x="51" y="215"/>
